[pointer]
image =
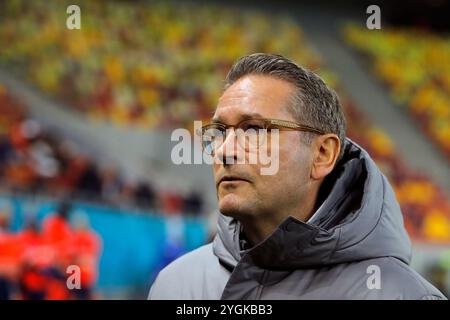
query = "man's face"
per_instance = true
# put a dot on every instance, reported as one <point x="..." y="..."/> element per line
<point x="245" y="192"/>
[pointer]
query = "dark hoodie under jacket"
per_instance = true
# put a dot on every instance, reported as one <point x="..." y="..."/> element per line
<point x="355" y="247"/>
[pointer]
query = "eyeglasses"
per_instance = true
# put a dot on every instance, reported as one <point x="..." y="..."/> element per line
<point x="251" y="133"/>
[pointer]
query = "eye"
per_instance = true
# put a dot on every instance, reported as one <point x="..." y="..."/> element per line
<point x="252" y="125"/>
<point x="213" y="130"/>
<point x="212" y="137"/>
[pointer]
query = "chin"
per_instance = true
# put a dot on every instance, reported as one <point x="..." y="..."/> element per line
<point x="230" y="204"/>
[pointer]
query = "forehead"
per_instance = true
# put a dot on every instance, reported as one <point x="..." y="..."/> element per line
<point x="257" y="96"/>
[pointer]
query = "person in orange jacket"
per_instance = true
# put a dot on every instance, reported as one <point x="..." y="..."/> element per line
<point x="87" y="246"/>
<point x="9" y="256"/>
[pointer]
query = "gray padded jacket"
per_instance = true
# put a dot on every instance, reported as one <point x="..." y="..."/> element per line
<point x="355" y="247"/>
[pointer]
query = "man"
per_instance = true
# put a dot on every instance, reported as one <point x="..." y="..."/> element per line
<point x="325" y="226"/>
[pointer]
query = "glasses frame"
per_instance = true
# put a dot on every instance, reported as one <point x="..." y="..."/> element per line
<point x="268" y="124"/>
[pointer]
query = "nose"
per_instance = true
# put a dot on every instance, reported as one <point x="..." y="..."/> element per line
<point x="230" y="152"/>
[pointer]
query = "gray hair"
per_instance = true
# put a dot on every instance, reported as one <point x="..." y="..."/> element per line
<point x="314" y="103"/>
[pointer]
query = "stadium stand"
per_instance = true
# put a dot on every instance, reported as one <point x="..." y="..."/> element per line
<point x="154" y="65"/>
<point x="105" y="56"/>
<point x="417" y="76"/>
<point x="33" y="159"/>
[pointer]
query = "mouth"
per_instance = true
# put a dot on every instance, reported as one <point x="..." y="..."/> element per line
<point x="231" y="180"/>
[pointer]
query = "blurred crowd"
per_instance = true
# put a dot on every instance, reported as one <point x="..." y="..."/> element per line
<point x="36" y="160"/>
<point x="34" y="261"/>
<point x="158" y="65"/>
<point x="415" y="65"/>
<point x="425" y="206"/>
<point x="142" y="64"/>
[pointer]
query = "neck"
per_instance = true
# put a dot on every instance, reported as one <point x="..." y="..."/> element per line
<point x="258" y="228"/>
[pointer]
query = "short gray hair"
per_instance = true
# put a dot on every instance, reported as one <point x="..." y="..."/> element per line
<point x="314" y="103"/>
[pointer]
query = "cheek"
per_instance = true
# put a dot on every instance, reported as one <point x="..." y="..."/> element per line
<point x="291" y="165"/>
<point x="295" y="163"/>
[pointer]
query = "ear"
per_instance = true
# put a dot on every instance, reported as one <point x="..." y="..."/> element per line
<point x="325" y="152"/>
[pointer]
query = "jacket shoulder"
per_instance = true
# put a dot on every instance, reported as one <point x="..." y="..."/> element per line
<point x="417" y="287"/>
<point x="195" y="275"/>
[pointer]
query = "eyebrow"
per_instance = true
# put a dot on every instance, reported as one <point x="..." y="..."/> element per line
<point x="245" y="116"/>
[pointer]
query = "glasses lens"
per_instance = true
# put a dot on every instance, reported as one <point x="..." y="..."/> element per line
<point x="212" y="137"/>
<point x="251" y="133"/>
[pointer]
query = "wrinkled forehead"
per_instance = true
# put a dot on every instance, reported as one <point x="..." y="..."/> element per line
<point x="255" y="96"/>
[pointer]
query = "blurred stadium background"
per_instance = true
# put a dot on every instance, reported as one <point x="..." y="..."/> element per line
<point x="86" y="117"/>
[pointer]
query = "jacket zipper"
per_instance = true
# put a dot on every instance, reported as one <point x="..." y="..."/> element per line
<point x="261" y="286"/>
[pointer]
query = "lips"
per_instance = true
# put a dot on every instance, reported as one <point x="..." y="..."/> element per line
<point x="231" y="179"/>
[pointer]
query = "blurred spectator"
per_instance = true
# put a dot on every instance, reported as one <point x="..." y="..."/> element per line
<point x="86" y="246"/>
<point x="193" y="203"/>
<point x="7" y="255"/>
<point x="145" y="195"/>
<point x="56" y="228"/>
<point x="112" y="184"/>
<point x="33" y="264"/>
<point x="90" y="184"/>
<point x="172" y="203"/>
